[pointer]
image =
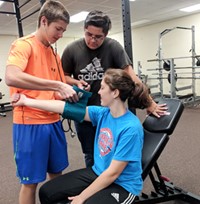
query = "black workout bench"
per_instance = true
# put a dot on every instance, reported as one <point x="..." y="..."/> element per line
<point x="157" y="134"/>
<point x="5" y="107"/>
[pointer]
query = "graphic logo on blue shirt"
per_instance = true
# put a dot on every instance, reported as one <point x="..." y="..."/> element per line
<point x="105" y="141"/>
<point x="92" y="71"/>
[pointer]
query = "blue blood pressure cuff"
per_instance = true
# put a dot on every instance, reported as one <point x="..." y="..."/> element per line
<point x="76" y="111"/>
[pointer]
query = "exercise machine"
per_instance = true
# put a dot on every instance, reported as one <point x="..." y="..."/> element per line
<point x="17" y="13"/>
<point x="175" y="73"/>
<point x="4" y="107"/>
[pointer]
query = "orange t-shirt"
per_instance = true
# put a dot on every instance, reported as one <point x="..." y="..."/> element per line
<point x="34" y="58"/>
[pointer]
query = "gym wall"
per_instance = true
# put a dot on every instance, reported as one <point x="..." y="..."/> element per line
<point x="176" y="43"/>
<point x="5" y="42"/>
<point x="145" y="41"/>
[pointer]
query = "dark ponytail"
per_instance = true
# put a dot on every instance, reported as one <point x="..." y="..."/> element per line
<point x="139" y="97"/>
<point x="137" y="94"/>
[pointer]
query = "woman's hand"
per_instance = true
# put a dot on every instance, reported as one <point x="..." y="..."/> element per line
<point x="157" y="109"/>
<point x="76" y="200"/>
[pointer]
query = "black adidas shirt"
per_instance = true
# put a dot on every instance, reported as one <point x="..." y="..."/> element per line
<point x="89" y="65"/>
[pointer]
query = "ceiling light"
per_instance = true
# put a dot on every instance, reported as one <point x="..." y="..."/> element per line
<point x="140" y="22"/>
<point x="78" y="17"/>
<point x="1" y="3"/>
<point x="131" y="0"/>
<point x="191" y="8"/>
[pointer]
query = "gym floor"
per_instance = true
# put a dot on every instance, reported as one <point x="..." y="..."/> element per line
<point x="179" y="161"/>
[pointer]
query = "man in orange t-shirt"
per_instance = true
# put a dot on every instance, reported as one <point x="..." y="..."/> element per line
<point x="34" y="69"/>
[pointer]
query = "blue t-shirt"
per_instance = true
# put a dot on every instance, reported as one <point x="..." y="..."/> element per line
<point x="118" y="139"/>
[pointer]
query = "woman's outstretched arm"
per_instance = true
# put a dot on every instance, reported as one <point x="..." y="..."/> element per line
<point x="56" y="106"/>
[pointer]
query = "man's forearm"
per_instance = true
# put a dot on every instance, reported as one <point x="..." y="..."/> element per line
<point x="16" y="78"/>
<point x="71" y="80"/>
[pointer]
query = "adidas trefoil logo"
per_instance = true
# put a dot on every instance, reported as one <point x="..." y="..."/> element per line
<point x="116" y="196"/>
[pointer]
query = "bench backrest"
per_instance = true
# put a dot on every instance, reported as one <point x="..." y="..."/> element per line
<point x="157" y="131"/>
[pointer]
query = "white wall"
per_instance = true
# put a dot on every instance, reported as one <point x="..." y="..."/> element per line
<point x="5" y="42"/>
<point x="61" y="44"/>
<point x="145" y="41"/>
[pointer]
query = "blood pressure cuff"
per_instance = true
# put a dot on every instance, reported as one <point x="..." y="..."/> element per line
<point x="76" y="111"/>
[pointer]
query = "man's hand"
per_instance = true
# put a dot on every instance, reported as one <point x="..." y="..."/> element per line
<point x="18" y="99"/>
<point x="57" y="96"/>
<point x="84" y="85"/>
<point x="67" y="92"/>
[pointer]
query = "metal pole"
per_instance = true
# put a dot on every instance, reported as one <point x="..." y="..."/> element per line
<point x="127" y="35"/>
<point x="18" y="16"/>
<point x="172" y="80"/>
<point x="127" y="28"/>
<point x="42" y="2"/>
<point x="160" y="65"/>
<point x="193" y="64"/>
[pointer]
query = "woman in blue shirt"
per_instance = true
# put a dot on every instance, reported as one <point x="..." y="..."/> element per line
<point x="115" y="176"/>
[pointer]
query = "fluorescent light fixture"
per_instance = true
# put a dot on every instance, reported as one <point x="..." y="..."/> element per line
<point x="79" y="17"/>
<point x="131" y="0"/>
<point x="1" y="3"/>
<point x="191" y="8"/>
<point x="140" y="22"/>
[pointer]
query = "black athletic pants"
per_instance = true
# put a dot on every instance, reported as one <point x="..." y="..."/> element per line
<point x="73" y="183"/>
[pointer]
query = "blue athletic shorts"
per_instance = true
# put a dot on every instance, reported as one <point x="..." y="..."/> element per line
<point x="39" y="149"/>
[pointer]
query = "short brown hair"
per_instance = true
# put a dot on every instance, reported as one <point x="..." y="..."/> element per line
<point x="98" y="19"/>
<point x="53" y="11"/>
